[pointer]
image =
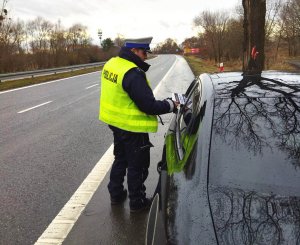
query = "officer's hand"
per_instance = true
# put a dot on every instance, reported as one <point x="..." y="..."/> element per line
<point x="173" y="105"/>
<point x="176" y="104"/>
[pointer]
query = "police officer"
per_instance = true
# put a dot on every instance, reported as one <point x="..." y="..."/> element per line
<point x="128" y="106"/>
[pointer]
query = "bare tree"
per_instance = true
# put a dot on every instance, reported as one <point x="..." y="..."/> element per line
<point x="119" y="40"/>
<point x="290" y="24"/>
<point x="58" y="45"/>
<point x="169" y="46"/>
<point x="12" y="36"/>
<point x="6" y="46"/>
<point x="39" y="32"/>
<point x="214" y="26"/>
<point x="272" y="14"/>
<point x="233" y="45"/>
<point x="78" y="36"/>
<point x="3" y="12"/>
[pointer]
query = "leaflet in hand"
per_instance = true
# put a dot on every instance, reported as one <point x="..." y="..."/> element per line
<point x="180" y="98"/>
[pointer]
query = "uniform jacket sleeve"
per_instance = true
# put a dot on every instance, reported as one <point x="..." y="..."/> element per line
<point x="135" y="84"/>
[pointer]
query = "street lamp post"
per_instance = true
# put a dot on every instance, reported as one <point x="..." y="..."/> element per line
<point x="100" y="35"/>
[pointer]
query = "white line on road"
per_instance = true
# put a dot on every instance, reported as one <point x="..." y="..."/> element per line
<point x="31" y="108"/>
<point x="59" y="228"/>
<point x="62" y="224"/>
<point x="91" y="86"/>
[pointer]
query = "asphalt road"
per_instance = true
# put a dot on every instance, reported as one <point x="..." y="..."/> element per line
<point x="101" y="223"/>
<point x="50" y="139"/>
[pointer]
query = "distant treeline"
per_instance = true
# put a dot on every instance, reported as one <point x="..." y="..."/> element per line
<point x="40" y="44"/>
<point x="221" y="34"/>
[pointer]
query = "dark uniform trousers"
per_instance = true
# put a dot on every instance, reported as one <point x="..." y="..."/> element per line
<point x="132" y="152"/>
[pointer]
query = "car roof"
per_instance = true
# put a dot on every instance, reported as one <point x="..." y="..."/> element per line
<point x="269" y="84"/>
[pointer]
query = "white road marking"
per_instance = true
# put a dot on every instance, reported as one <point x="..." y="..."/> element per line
<point x="91" y="86"/>
<point x="59" y="228"/>
<point x="31" y="108"/>
<point x="62" y="224"/>
<point x="40" y="84"/>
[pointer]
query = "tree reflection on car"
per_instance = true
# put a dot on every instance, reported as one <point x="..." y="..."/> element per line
<point x="238" y="121"/>
<point x="230" y="167"/>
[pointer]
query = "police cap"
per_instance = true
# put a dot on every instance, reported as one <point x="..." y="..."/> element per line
<point x="142" y="43"/>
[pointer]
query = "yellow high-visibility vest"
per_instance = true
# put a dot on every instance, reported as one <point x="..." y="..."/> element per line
<point x="116" y="107"/>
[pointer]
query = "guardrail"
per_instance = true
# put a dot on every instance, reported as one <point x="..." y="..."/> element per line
<point x="9" y="76"/>
<point x="295" y="63"/>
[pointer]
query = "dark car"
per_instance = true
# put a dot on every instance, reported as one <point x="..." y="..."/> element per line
<point x="230" y="170"/>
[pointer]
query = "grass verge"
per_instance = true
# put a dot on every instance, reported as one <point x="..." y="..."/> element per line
<point x="200" y="66"/>
<point x="11" y="84"/>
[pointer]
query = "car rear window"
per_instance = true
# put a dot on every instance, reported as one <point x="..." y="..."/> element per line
<point x="255" y="144"/>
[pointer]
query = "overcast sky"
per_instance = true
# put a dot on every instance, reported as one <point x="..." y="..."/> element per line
<point x="161" y="19"/>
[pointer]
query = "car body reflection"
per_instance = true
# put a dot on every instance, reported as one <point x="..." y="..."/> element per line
<point x="231" y="173"/>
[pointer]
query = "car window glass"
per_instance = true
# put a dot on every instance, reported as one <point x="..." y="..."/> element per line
<point x="186" y="120"/>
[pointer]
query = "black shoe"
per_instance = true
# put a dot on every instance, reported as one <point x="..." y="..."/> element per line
<point x="120" y="199"/>
<point x="140" y="205"/>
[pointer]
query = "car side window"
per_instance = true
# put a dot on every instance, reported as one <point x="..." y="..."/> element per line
<point x="187" y="125"/>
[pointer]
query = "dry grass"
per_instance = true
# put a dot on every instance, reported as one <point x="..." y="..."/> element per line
<point x="280" y="65"/>
<point x="40" y="79"/>
<point x="199" y="65"/>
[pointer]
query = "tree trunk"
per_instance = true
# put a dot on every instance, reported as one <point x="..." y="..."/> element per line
<point x="254" y="36"/>
<point x="277" y="46"/>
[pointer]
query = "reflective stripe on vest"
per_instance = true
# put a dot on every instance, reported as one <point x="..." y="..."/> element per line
<point x="116" y="107"/>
